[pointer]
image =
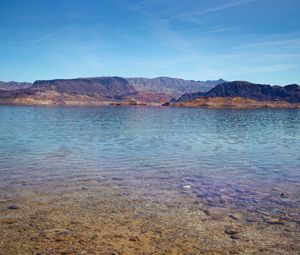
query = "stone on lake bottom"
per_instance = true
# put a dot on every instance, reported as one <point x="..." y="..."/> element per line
<point x="231" y="231"/>
<point x="13" y="207"/>
<point x="118" y="179"/>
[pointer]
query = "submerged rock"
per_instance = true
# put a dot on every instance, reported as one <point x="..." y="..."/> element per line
<point x="234" y="236"/>
<point x="185" y="192"/>
<point x="134" y="239"/>
<point x="236" y="216"/>
<point x="254" y="218"/>
<point x="118" y="178"/>
<point x="273" y="221"/>
<point x="186" y="186"/>
<point x="231" y="231"/>
<point x="56" y="234"/>
<point x="13" y="207"/>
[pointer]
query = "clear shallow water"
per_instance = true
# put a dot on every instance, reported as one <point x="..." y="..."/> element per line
<point x="242" y="150"/>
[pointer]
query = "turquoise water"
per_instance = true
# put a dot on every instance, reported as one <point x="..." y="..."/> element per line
<point x="243" y="150"/>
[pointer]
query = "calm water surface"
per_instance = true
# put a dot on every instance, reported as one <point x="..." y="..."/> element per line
<point x="244" y="149"/>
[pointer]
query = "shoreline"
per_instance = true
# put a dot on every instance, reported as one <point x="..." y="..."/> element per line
<point x="212" y="103"/>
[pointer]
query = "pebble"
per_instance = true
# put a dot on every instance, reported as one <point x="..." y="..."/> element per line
<point x="231" y="231"/>
<point x="74" y="222"/>
<point x="283" y="195"/>
<point x="236" y="216"/>
<point x="275" y="221"/>
<point x="118" y="179"/>
<point x="56" y="234"/>
<point x="134" y="239"/>
<point x="253" y="218"/>
<point x="185" y="192"/>
<point x="190" y="179"/>
<point x="216" y="211"/>
<point x="13" y="207"/>
<point x="234" y="236"/>
<point x="163" y="177"/>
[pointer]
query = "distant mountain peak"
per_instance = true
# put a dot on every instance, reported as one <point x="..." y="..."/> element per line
<point x="171" y="87"/>
<point x="245" y="89"/>
<point x="13" y="85"/>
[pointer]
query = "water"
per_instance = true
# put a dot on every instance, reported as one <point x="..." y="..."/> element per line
<point x="120" y="163"/>
<point x="237" y="147"/>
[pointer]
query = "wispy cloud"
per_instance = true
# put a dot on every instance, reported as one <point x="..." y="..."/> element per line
<point x="163" y="27"/>
<point x="210" y="30"/>
<point x="213" y="9"/>
<point x="133" y="6"/>
<point x="160" y="27"/>
<point x="288" y="42"/>
<point x="274" y="68"/>
<point x="255" y="69"/>
<point x="34" y="42"/>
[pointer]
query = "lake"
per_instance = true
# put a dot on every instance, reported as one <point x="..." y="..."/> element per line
<point x="221" y="167"/>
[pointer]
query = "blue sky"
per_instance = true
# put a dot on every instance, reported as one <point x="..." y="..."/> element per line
<point x="254" y="40"/>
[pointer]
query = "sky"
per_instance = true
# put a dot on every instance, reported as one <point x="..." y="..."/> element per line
<point x="253" y="40"/>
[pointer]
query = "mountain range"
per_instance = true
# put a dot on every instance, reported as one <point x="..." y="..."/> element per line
<point x="173" y="87"/>
<point x="12" y="85"/>
<point x="156" y="91"/>
<point x="237" y="93"/>
<point x="106" y="89"/>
